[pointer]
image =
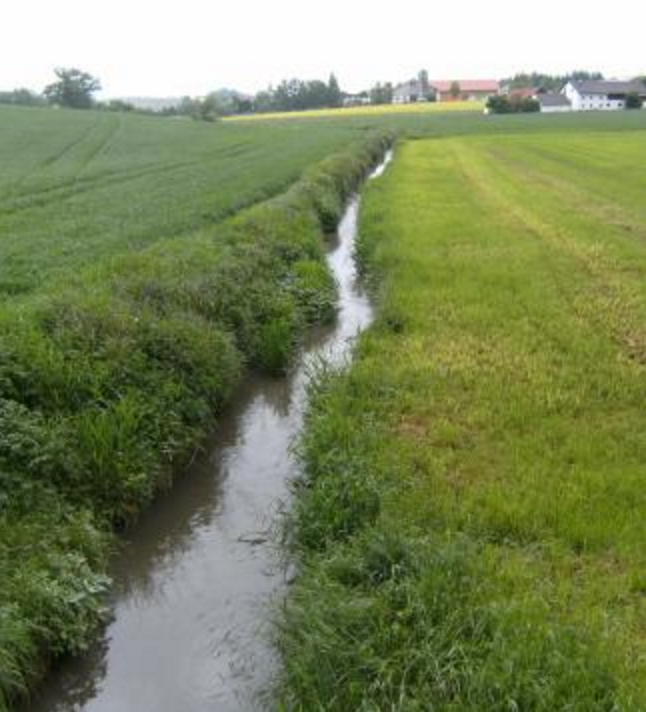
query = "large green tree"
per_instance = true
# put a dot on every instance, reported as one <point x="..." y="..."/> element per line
<point x="73" y="89"/>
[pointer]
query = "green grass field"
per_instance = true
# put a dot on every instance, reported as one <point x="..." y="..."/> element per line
<point x="473" y="529"/>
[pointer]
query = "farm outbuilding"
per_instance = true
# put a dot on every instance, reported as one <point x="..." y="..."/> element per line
<point x="553" y="103"/>
<point x="465" y="89"/>
<point x="413" y="91"/>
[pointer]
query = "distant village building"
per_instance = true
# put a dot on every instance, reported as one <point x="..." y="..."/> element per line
<point x="601" y="95"/>
<point x="445" y="90"/>
<point x="413" y="91"/>
<point x="356" y="100"/>
<point x="588" y="95"/>
<point x="551" y="103"/>
<point x="465" y="89"/>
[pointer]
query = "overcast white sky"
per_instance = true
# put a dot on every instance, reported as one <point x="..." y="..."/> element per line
<point x="176" y="47"/>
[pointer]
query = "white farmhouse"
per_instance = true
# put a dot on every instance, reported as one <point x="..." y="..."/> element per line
<point x="601" y="95"/>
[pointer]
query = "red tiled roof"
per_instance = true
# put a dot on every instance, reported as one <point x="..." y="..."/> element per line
<point x="467" y="85"/>
<point x="524" y="92"/>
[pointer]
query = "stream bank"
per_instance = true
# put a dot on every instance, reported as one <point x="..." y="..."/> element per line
<point x="193" y="587"/>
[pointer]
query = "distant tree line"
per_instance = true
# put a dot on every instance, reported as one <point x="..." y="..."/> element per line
<point x="223" y="102"/>
<point x="75" y="89"/>
<point x="299" y="95"/>
<point x="22" y="97"/>
<point x="289" y="95"/>
<point x="118" y="105"/>
<point x="548" y="82"/>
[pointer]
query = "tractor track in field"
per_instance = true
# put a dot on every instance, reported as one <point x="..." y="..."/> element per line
<point x="64" y="190"/>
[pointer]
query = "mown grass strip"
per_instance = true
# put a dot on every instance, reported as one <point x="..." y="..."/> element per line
<point x="110" y="380"/>
<point x="470" y="525"/>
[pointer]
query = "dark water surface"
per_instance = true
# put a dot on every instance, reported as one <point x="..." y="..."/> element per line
<point x="195" y="581"/>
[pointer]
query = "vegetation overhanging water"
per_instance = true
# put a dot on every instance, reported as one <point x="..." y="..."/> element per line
<point x="193" y="587"/>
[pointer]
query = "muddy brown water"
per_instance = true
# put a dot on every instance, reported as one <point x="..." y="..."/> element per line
<point x="196" y="578"/>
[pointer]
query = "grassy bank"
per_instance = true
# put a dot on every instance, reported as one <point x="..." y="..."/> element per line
<point x="470" y="525"/>
<point x="109" y="380"/>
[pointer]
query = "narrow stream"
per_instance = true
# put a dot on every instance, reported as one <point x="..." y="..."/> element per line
<point x="196" y="578"/>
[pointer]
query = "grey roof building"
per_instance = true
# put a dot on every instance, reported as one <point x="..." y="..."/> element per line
<point x="609" y="87"/>
<point x="554" y="103"/>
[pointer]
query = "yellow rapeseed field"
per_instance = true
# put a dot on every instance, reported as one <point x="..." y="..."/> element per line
<point x="420" y="108"/>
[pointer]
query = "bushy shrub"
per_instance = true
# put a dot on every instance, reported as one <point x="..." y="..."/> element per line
<point x="500" y="104"/>
<point x="634" y="101"/>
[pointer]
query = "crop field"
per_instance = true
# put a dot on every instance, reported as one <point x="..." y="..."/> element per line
<point x="76" y="187"/>
<point x="422" y="108"/>
<point x="473" y="525"/>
